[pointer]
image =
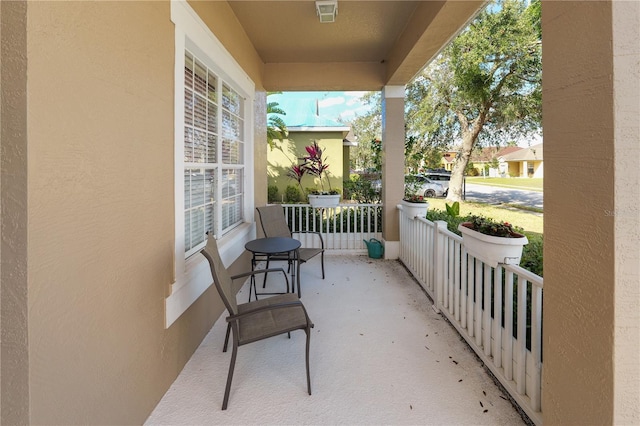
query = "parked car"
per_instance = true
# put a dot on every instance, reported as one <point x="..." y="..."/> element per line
<point x="425" y="186"/>
<point x="441" y="177"/>
<point x="377" y="185"/>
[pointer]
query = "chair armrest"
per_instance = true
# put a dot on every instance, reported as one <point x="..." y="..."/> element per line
<point x="271" y="308"/>
<point x="257" y="271"/>
<point x="313" y="232"/>
<point x="261" y="271"/>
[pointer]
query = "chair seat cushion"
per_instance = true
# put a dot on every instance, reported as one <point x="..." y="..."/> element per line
<point x="308" y="253"/>
<point x="270" y="323"/>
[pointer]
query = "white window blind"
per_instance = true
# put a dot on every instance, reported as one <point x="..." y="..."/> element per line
<point x="213" y="154"/>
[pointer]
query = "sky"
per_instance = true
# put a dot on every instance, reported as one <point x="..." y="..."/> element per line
<point x="338" y="106"/>
<point x="344" y="106"/>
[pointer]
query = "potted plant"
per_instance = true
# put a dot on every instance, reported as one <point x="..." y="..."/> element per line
<point x="314" y="165"/>
<point x="413" y="203"/>
<point x="491" y="241"/>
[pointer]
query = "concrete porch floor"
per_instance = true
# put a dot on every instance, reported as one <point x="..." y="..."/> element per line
<point x="379" y="355"/>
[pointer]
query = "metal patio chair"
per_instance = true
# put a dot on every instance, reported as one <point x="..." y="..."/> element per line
<point x="255" y="320"/>
<point x="274" y="224"/>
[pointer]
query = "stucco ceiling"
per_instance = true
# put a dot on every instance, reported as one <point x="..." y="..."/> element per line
<point x="363" y="31"/>
<point x="372" y="43"/>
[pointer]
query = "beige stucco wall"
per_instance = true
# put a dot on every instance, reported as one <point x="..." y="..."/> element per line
<point x="96" y="261"/>
<point x="280" y="160"/>
<point x="224" y="24"/>
<point x="590" y="373"/>
<point x="14" y="350"/>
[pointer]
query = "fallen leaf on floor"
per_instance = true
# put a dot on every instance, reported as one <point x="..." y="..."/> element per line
<point x="411" y="406"/>
<point x="454" y="361"/>
<point x="484" y="393"/>
<point x="485" y="411"/>
<point x="481" y="403"/>
<point x="459" y="380"/>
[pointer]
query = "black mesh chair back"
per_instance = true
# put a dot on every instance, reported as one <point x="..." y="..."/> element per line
<point x="274" y="224"/>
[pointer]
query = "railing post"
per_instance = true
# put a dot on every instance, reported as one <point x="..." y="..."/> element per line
<point x="438" y="262"/>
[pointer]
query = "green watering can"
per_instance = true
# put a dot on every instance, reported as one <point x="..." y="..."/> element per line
<point x="375" y="247"/>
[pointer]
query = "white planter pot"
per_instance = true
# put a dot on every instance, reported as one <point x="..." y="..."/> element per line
<point x="493" y="250"/>
<point x="324" y="201"/>
<point x="414" y="209"/>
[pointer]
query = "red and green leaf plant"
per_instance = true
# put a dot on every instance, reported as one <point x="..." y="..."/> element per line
<point x="296" y="173"/>
<point x="315" y="165"/>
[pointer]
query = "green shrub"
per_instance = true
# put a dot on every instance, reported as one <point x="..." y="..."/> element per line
<point x="292" y="194"/>
<point x="272" y="193"/>
<point x="532" y="253"/>
<point x="360" y="190"/>
<point x="473" y="172"/>
<point x="452" y="221"/>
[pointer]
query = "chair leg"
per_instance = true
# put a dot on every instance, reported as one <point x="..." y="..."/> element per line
<point x="226" y="338"/>
<point x="232" y="365"/>
<point x="308" y="331"/>
<point x="264" y="281"/>
<point x="322" y="263"/>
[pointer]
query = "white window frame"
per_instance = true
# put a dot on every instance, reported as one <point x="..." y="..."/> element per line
<point x="192" y="275"/>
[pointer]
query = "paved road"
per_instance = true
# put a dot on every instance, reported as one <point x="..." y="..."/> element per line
<point x="497" y="195"/>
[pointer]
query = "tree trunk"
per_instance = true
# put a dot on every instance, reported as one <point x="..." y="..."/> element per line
<point x="457" y="175"/>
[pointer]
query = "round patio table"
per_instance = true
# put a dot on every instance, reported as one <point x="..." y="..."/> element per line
<point x="275" y="246"/>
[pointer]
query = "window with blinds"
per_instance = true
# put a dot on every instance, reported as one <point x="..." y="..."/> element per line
<point x="213" y="154"/>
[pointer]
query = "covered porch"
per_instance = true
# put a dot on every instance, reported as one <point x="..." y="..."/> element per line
<point x="99" y="309"/>
<point x="380" y="354"/>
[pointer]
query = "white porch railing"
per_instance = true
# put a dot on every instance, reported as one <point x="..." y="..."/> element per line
<point x="498" y="311"/>
<point x="343" y="228"/>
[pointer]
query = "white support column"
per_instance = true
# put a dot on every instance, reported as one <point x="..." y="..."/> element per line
<point x="392" y="165"/>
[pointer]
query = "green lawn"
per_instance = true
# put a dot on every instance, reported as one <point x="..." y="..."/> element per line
<point x="529" y="221"/>
<point x="532" y="184"/>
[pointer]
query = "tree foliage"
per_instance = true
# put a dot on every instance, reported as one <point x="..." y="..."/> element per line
<point x="276" y="127"/>
<point x="367" y="128"/>
<point x="484" y="88"/>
